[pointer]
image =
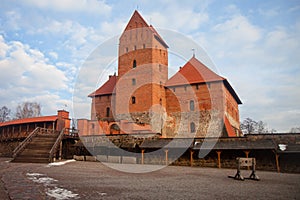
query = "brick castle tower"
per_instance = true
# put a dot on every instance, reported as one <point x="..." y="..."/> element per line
<point x="142" y="73"/>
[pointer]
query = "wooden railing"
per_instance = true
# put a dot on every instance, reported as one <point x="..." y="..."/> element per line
<point x="56" y="145"/>
<point x="24" y="143"/>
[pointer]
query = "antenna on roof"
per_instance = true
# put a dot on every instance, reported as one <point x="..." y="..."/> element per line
<point x="193" y="53"/>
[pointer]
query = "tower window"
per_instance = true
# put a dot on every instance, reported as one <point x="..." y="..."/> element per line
<point x="134" y="64"/>
<point x="107" y="111"/>
<point x="134" y="47"/>
<point x="126" y="49"/>
<point x="133" y="100"/>
<point x="160" y="101"/>
<point x="144" y="46"/>
<point x="192" y="105"/>
<point x="192" y="127"/>
<point x="133" y="81"/>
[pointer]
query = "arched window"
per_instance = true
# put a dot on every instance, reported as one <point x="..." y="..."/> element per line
<point x="160" y="101"/>
<point x="107" y="112"/>
<point x="133" y="81"/>
<point x="192" y="127"/>
<point x="192" y="105"/>
<point x="134" y="64"/>
<point x="133" y="100"/>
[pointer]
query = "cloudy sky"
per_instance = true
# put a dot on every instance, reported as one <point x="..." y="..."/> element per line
<point x="253" y="43"/>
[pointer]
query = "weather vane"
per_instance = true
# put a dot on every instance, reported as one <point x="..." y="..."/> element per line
<point x="193" y="50"/>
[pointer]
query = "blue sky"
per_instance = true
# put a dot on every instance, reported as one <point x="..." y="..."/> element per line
<point x="254" y="44"/>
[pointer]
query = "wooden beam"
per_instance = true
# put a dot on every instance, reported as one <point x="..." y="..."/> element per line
<point x="191" y="158"/>
<point x="166" y="156"/>
<point x="142" y="161"/>
<point x="219" y="159"/>
<point x="60" y="150"/>
<point x="277" y="162"/>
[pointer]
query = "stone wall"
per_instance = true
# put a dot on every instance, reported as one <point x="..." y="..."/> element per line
<point x="6" y="148"/>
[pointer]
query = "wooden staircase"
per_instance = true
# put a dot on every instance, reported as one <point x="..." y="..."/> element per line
<point x="38" y="147"/>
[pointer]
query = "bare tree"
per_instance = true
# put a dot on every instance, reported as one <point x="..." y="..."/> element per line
<point x="295" y="130"/>
<point x="261" y="127"/>
<point x="4" y="114"/>
<point x="27" y="110"/>
<point x="250" y="126"/>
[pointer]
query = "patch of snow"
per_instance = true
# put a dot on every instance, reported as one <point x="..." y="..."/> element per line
<point x="60" y="163"/>
<point x="44" y="180"/>
<point x="35" y="174"/>
<point x="102" y="193"/>
<point x="51" y="189"/>
<point x="61" y="193"/>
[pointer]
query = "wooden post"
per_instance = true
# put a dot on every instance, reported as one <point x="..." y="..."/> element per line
<point x="142" y="161"/>
<point x="60" y="150"/>
<point x="191" y="157"/>
<point x="247" y="156"/>
<point x="166" y="151"/>
<point x="277" y="162"/>
<point x="219" y="159"/>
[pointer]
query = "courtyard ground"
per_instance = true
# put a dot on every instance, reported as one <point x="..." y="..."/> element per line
<point x="93" y="180"/>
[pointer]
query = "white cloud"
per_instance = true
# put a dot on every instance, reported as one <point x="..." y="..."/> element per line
<point x="262" y="64"/>
<point x="53" y="55"/>
<point x="28" y="76"/>
<point x="180" y="20"/>
<point x="88" y="6"/>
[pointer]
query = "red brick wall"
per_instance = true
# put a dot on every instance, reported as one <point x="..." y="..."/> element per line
<point x="150" y="74"/>
<point x="99" y="106"/>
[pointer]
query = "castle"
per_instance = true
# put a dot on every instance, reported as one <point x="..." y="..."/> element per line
<point x="141" y="99"/>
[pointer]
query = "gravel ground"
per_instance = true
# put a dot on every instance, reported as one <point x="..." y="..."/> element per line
<point x="91" y="180"/>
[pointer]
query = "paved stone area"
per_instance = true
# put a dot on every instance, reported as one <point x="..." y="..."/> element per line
<point x="91" y="180"/>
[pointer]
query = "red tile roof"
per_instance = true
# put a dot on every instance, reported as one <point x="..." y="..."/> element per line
<point x="30" y="120"/>
<point x="107" y="88"/>
<point x="229" y="128"/>
<point x="193" y="72"/>
<point x="136" y="18"/>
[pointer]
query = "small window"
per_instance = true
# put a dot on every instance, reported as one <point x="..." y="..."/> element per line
<point x="126" y="49"/>
<point x="93" y="126"/>
<point x="134" y="47"/>
<point x="160" y="101"/>
<point x="192" y="105"/>
<point x="174" y="90"/>
<point x="160" y="83"/>
<point x="133" y="81"/>
<point x="159" y="67"/>
<point x="133" y="100"/>
<point x="144" y="46"/>
<point x="208" y="85"/>
<point x="192" y="127"/>
<point x="184" y="88"/>
<point x="134" y="64"/>
<point x="197" y="87"/>
<point x="107" y="112"/>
